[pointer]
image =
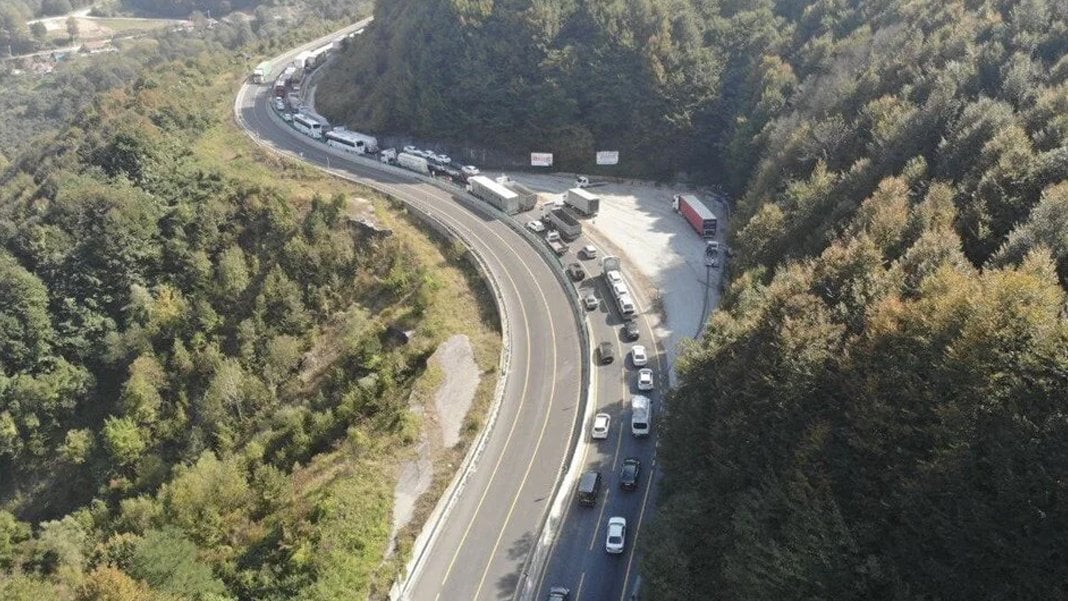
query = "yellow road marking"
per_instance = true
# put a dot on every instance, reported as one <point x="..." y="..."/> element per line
<point x="537" y="446"/>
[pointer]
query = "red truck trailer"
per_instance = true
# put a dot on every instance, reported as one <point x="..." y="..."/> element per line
<point x="701" y="219"/>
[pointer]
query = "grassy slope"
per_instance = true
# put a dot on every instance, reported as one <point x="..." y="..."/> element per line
<point x="362" y="474"/>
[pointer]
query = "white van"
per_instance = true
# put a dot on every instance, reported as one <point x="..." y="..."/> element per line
<point x="641" y="415"/>
<point x="626" y="306"/>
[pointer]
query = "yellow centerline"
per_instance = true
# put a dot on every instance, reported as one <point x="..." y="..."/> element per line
<point x="398" y="191"/>
<point x="537" y="446"/>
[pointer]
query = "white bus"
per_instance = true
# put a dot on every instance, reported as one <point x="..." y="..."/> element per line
<point x="351" y="141"/>
<point x="308" y="126"/>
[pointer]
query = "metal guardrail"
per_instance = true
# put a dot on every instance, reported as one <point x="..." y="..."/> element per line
<point x="534" y="564"/>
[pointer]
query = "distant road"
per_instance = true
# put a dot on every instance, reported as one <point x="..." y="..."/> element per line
<point x="479" y="547"/>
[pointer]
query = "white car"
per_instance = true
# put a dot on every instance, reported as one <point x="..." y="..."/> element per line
<point x="617" y="535"/>
<point x="589" y="251"/>
<point x="536" y="226"/>
<point x="590" y="302"/>
<point x="411" y="149"/>
<point x="614" y="277"/>
<point x="279" y="104"/>
<point x="553" y="236"/>
<point x="601" y="422"/>
<point x="645" y="379"/>
<point x="469" y="170"/>
<point x="638" y="356"/>
<point x="443" y="159"/>
<point x="287" y="117"/>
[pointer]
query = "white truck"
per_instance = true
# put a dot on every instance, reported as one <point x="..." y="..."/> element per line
<point x="494" y="193"/>
<point x="414" y="163"/>
<point x="583" y="201"/>
<point x="641" y="415"/>
<point x="262" y="73"/>
<point x="612" y="268"/>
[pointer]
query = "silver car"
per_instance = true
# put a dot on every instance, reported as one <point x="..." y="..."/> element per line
<point x="617" y="535"/>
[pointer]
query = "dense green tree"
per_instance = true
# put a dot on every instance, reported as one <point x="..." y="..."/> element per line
<point x="124" y="440"/>
<point x="25" y="325"/>
<point x="169" y="562"/>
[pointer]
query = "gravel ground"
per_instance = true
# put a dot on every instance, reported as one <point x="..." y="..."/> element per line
<point x="442" y="424"/>
<point x="659" y="248"/>
<point x="453" y="399"/>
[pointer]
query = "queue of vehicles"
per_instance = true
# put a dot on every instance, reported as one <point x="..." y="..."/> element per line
<point x="588" y="488"/>
<point x="287" y="102"/>
<point x="511" y="198"/>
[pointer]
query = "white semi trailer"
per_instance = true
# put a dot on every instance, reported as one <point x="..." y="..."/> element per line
<point x="415" y="163"/>
<point x="494" y="193"/>
<point x="583" y="201"/>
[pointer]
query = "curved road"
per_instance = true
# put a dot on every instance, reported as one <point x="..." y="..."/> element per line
<point x="480" y="547"/>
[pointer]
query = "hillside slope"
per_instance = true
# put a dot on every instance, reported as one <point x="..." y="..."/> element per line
<point x="200" y="398"/>
<point x="878" y="408"/>
<point x="566" y="76"/>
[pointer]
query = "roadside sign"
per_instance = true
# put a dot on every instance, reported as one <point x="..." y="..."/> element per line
<point x="607" y="157"/>
<point x="541" y="159"/>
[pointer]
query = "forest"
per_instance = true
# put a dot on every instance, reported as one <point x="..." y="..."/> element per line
<point x="40" y="106"/>
<point x="877" y="410"/>
<point x="202" y="396"/>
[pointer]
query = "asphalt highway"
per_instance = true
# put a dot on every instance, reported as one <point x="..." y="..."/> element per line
<point x="578" y="560"/>
<point x="479" y="548"/>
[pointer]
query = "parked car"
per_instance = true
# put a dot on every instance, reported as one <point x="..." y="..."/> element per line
<point x="576" y="272"/>
<point x="411" y="149"/>
<point x="638" y="356"/>
<point x="617" y="535"/>
<point x="631" y="332"/>
<point x="553" y="236"/>
<point x="469" y="170"/>
<point x="614" y="277"/>
<point x="605" y="353"/>
<point x="590" y="302"/>
<point x="629" y="472"/>
<point x="601" y="424"/>
<point x="645" y="379"/>
<point x="536" y="226"/>
<point x="559" y="593"/>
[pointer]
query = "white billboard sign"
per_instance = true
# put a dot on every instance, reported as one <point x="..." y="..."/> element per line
<point x="541" y="159"/>
<point x="607" y="157"/>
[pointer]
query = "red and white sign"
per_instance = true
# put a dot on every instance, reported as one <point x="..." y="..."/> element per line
<point x="541" y="159"/>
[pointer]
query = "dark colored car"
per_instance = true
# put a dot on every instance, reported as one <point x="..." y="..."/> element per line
<point x="559" y="593"/>
<point x="606" y="354"/>
<point x="631" y="331"/>
<point x="576" y="272"/>
<point x="628" y="474"/>
<point x="589" y="487"/>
